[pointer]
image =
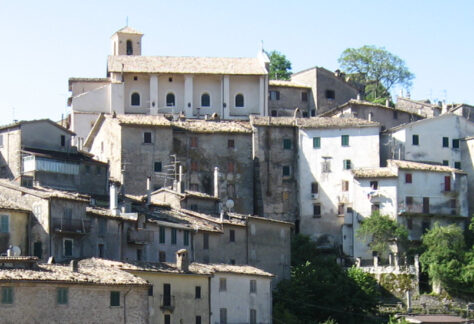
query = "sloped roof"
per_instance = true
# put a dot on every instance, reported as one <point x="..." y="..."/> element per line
<point x="367" y="104"/>
<point x="24" y="122"/>
<point x="185" y="65"/>
<point x="43" y="192"/>
<point x="12" y="205"/>
<point x="207" y="126"/>
<point x="288" y="84"/>
<point x="128" y="30"/>
<point x="313" y="122"/>
<point x="410" y="165"/>
<point x="374" y="173"/>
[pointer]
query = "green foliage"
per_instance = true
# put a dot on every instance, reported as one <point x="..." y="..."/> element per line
<point x="320" y="290"/>
<point x="280" y="66"/>
<point x="447" y="260"/>
<point x="382" y="231"/>
<point x="374" y="70"/>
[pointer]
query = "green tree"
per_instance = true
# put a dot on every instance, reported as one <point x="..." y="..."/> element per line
<point x="447" y="260"/>
<point x="374" y="71"/>
<point x="382" y="232"/>
<point x="280" y="66"/>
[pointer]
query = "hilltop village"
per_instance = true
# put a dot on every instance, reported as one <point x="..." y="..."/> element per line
<point x="171" y="192"/>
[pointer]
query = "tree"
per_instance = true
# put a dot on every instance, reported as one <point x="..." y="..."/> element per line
<point x="280" y="66"/>
<point x="382" y="231"/>
<point x="447" y="260"/>
<point x="374" y="71"/>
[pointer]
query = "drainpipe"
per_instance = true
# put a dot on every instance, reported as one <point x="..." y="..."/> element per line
<point x="125" y="306"/>
<point x="216" y="182"/>
<point x="209" y="296"/>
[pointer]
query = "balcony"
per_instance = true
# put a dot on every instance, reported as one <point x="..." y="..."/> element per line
<point x="71" y="226"/>
<point x="167" y="303"/>
<point x="139" y="236"/>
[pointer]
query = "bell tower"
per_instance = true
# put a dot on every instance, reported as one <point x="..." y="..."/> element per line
<point x="127" y="41"/>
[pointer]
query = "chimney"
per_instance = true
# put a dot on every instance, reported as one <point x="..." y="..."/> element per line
<point x="182" y="262"/>
<point x="10" y="251"/>
<point x="216" y="182"/>
<point x="113" y="196"/>
<point x="148" y="190"/>
<point x="180" y="187"/>
<point x="358" y="97"/>
<point x="387" y="102"/>
<point x="74" y="265"/>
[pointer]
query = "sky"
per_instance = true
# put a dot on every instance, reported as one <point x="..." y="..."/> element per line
<point x="44" y="43"/>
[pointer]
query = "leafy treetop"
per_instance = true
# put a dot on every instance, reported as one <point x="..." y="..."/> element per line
<point x="280" y="66"/>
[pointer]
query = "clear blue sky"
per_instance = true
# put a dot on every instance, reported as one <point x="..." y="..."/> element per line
<point x="44" y="43"/>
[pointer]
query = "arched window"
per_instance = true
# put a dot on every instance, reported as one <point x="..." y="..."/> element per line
<point x="239" y="100"/>
<point x="135" y="99"/>
<point x="129" y="47"/>
<point x="205" y="100"/>
<point x="170" y="100"/>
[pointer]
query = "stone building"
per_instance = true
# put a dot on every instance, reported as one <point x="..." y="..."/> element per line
<point x="82" y="293"/>
<point x="465" y="110"/>
<point x="387" y="116"/>
<point x="414" y="194"/>
<point x="14" y="226"/>
<point x="421" y="107"/>
<point x="285" y="96"/>
<point x="233" y="88"/>
<point x="40" y="151"/>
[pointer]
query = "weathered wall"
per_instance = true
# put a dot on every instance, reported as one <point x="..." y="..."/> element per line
<point x="18" y="234"/>
<point x="37" y="303"/>
<point x="10" y="155"/>
<point x="467" y="163"/>
<point x="290" y="98"/>
<point x="327" y="80"/>
<point x="44" y="135"/>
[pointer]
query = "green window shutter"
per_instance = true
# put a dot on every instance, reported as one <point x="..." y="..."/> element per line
<point x="7" y="295"/>
<point x="173" y="236"/>
<point x="345" y="140"/>
<point x="62" y="296"/>
<point x="186" y="238"/>
<point x="4" y="228"/>
<point x="316" y="142"/>
<point x="115" y="298"/>
<point x="162" y="234"/>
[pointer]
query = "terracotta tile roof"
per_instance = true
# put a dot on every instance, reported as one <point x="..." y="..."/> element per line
<point x="90" y="271"/>
<point x="207" y="126"/>
<point x="136" y="119"/>
<point x="185" y="65"/>
<point x="368" y="104"/>
<point x="410" y="165"/>
<point x="105" y="212"/>
<point x="374" y="173"/>
<point x="12" y="205"/>
<point x="288" y="84"/>
<point x="43" y="192"/>
<point x="313" y="122"/>
<point x="23" y="122"/>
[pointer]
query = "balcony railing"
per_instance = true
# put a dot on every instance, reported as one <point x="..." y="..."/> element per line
<point x="71" y="226"/>
<point x="140" y="236"/>
<point x="167" y="303"/>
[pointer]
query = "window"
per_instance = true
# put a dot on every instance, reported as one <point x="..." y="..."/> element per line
<point x="186" y="238"/>
<point x="139" y="254"/>
<point x="147" y="137"/>
<point x="314" y="187"/>
<point x="162" y="234"/>
<point x="231" y="190"/>
<point x="304" y="96"/>
<point x="455" y="143"/>
<point x="223" y="315"/>
<point x="101" y="249"/>
<point x="409" y="200"/>
<point x="326" y="165"/>
<point x="340" y="209"/>
<point x="253" y="316"/>
<point x="232" y="236"/>
<point x="166" y="294"/>
<point x="150" y="291"/>
<point x="135" y="78"/>
<point x="195" y="167"/>
<point x="115" y="298"/>
<point x="375" y="208"/>
<point x="426" y="205"/>
<point x="453" y="203"/>
<point x="222" y="284"/>
<point x="230" y="166"/>
<point x="253" y="286"/>
<point x="425" y="226"/>
<point x="445" y="142"/>
<point x="198" y="319"/>
<point x="232" y="261"/>
<point x="409" y="223"/>
<point x="102" y="222"/>
<point x="170" y="102"/>
<point x="345" y="140"/>
<point x="98" y="170"/>
<point x="4" y="224"/>
<point x="395" y="114"/>
<point x="370" y="116"/>
<point x="63" y="140"/>
<point x="316" y="142"/>
<point x="174" y="233"/>
<point x="374" y="185"/>
<point x="274" y="95"/>
<point x="158" y="166"/>
<point x="7" y="295"/>
<point x="67" y="247"/>
<point x="239" y="100"/>
<point x="415" y="140"/>
<point x="346" y="164"/>
<point x="408" y="178"/>
<point x="287" y="144"/>
<point x="62" y="296"/>
<point x="197" y="294"/>
<point x="193" y="141"/>
<point x="129" y="47"/>
<point x="447" y="183"/>
<point x="330" y="94"/>
<point x="313" y="112"/>
<point x="345" y="185"/>
<point x="38" y="249"/>
<point x="274" y="113"/>
<point x="162" y="256"/>
<point x="286" y="171"/>
<point x="457" y="165"/>
<point x="230" y="143"/>
<point x="135" y="99"/>
<point x="317" y="210"/>
<point x="205" y="239"/>
<point x="205" y="100"/>
<point x="167" y="319"/>
<point x="445" y="162"/>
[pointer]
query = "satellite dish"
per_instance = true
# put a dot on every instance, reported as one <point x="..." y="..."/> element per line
<point x="229" y="204"/>
<point x="16" y="251"/>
